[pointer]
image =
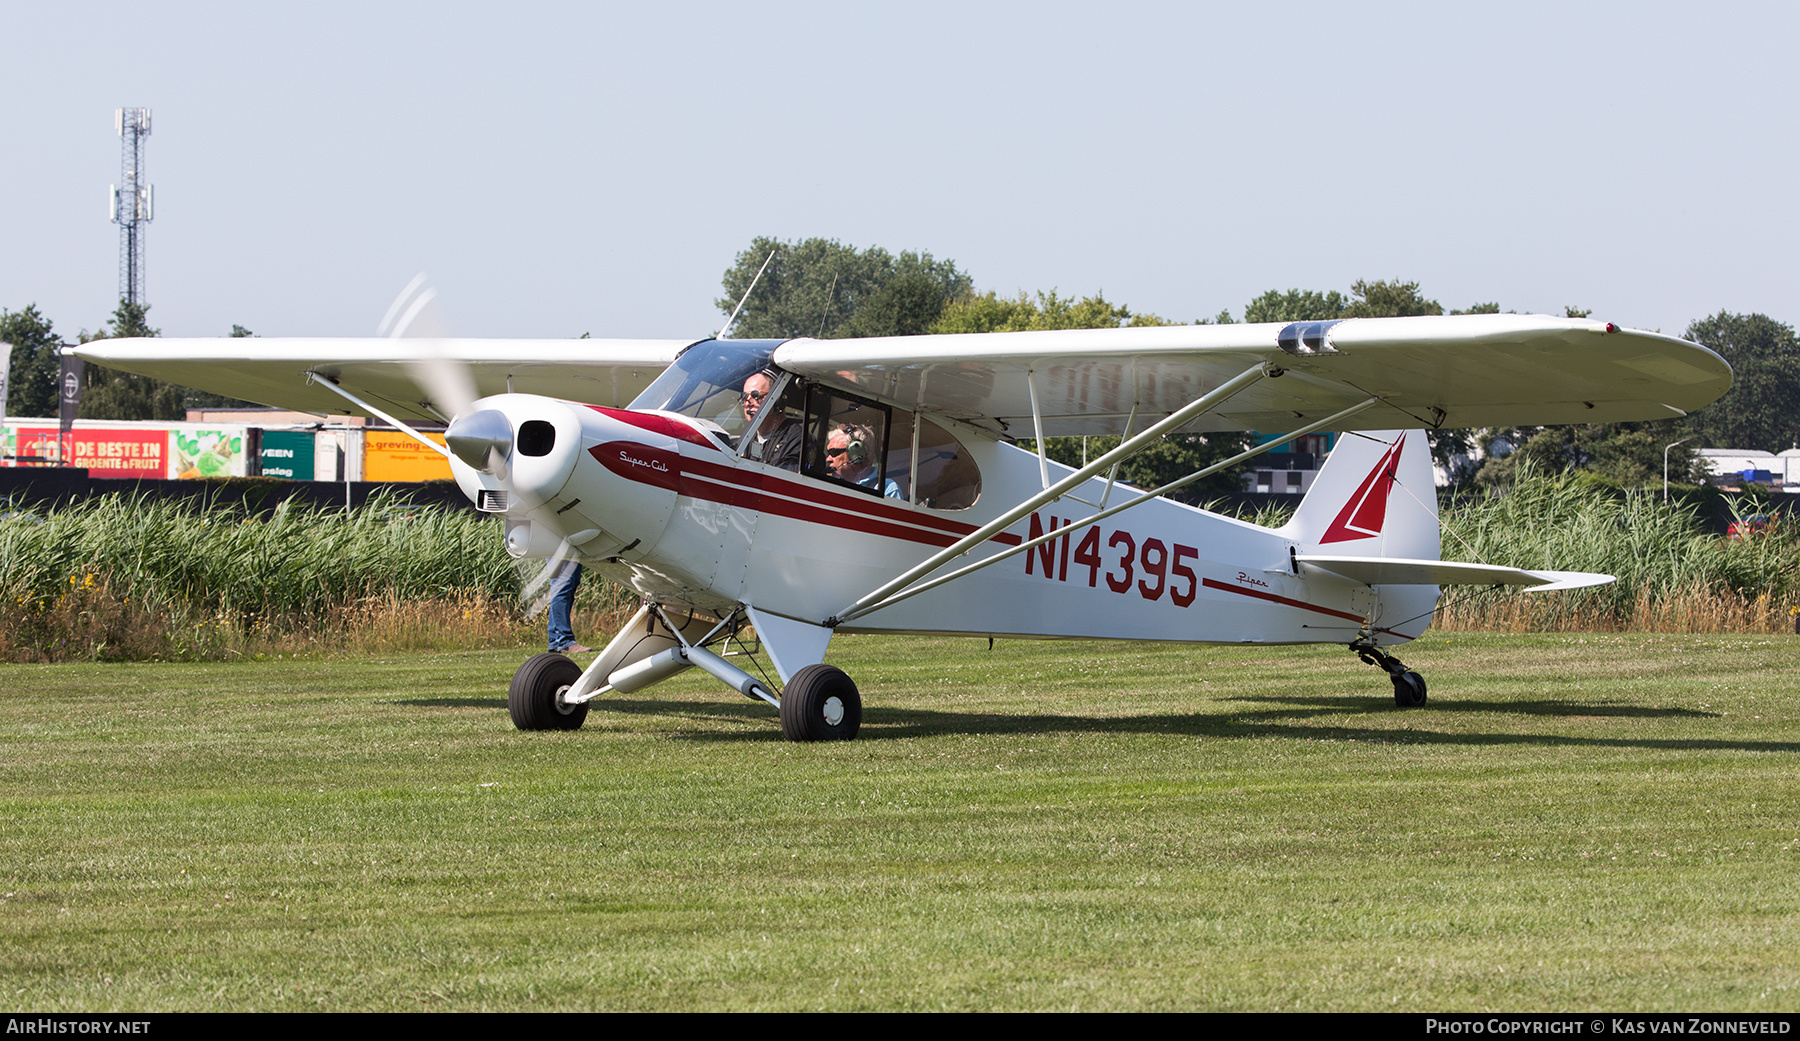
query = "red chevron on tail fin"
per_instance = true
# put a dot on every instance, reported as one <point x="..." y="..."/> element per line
<point x="1365" y="513"/>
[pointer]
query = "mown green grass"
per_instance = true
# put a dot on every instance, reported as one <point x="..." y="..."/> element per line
<point x="1574" y="822"/>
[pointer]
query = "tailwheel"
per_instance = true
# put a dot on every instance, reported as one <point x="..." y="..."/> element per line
<point x="820" y="704"/>
<point x="1409" y="689"/>
<point x="1409" y="686"/>
<point x="535" y="698"/>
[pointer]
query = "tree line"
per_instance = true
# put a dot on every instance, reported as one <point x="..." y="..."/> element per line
<point x="106" y="393"/>
<point x="823" y="288"/>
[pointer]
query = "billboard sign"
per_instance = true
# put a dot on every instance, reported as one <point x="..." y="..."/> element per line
<point x="287" y="454"/>
<point x="207" y="453"/>
<point x="121" y="453"/>
<point x="35" y="446"/>
<point x="389" y="455"/>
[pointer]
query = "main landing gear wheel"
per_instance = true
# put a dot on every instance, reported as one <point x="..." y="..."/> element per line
<point x="820" y="704"/>
<point x="1409" y="689"/>
<point x="534" y="699"/>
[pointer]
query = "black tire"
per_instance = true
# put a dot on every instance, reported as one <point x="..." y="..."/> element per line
<point x="1409" y="690"/>
<point x="531" y="700"/>
<point x="820" y="704"/>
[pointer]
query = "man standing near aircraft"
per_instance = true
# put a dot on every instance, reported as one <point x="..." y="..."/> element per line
<point x="562" y="601"/>
<point x="777" y="440"/>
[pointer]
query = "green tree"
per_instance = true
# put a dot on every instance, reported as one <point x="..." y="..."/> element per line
<point x="131" y="320"/>
<point x="907" y="305"/>
<point x="1762" y="408"/>
<point x="1388" y="300"/>
<point x="1295" y="305"/>
<point x="110" y="394"/>
<point x="992" y="313"/>
<point x="1545" y="449"/>
<point x="818" y="287"/>
<point x="1629" y="455"/>
<point x="1368" y="300"/>
<point x="36" y="362"/>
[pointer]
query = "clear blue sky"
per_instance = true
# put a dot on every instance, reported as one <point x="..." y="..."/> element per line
<point x="561" y="168"/>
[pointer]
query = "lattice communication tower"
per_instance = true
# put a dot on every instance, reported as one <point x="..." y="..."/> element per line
<point x="133" y="201"/>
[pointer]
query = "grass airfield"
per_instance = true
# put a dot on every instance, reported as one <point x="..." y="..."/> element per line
<point x="1574" y="822"/>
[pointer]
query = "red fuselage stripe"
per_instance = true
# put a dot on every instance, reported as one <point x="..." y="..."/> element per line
<point x="746" y="488"/>
<point x="813" y="492"/>
<point x="667" y="426"/>
<point x="698" y="487"/>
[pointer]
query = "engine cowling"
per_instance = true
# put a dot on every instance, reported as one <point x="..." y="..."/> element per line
<point x="565" y="476"/>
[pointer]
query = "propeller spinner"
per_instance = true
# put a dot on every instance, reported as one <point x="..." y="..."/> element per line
<point x="483" y="439"/>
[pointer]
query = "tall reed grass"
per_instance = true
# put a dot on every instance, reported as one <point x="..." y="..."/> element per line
<point x="1673" y="574"/>
<point x="131" y="578"/>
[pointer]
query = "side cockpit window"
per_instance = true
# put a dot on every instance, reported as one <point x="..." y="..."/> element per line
<point x="854" y="442"/>
<point x="847" y="443"/>
<point x="772" y="406"/>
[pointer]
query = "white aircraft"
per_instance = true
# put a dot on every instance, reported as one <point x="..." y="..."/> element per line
<point x="805" y="487"/>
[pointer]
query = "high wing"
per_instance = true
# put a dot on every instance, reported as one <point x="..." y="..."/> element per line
<point x="273" y="371"/>
<point x="1452" y="371"/>
<point x="1428" y="372"/>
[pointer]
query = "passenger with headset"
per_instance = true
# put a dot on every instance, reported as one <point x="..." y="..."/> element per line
<point x="848" y="454"/>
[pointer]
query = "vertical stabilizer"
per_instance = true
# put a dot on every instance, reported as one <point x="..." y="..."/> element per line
<point x="1376" y="497"/>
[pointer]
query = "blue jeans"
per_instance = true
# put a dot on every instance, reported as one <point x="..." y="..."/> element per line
<point x="562" y="598"/>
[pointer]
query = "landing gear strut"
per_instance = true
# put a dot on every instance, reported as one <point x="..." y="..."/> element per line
<point x="550" y="692"/>
<point x="1409" y="686"/>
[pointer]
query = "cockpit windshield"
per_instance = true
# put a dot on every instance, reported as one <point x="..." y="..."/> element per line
<point x="707" y="381"/>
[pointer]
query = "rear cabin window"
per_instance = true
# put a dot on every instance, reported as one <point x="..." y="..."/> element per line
<point x="948" y="478"/>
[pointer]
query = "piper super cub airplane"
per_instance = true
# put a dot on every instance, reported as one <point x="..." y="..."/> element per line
<point x="811" y="487"/>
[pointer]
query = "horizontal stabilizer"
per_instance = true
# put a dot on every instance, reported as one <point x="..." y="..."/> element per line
<point x="1397" y="571"/>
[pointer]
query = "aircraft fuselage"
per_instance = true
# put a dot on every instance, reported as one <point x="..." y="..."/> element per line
<point x="668" y="508"/>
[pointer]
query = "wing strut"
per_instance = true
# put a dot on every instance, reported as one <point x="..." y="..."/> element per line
<point x="1112" y="476"/>
<point x="863" y="607"/>
<point x="330" y="384"/>
<point x="1037" y="425"/>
